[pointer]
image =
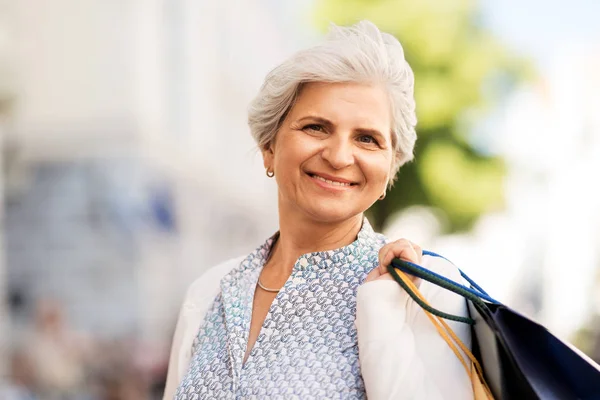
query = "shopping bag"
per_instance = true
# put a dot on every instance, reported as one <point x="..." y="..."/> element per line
<point x="519" y="357"/>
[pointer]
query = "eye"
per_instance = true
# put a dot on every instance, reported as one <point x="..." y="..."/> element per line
<point x="367" y="139"/>
<point x="314" y="127"/>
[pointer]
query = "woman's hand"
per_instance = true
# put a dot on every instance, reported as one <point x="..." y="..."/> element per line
<point x="402" y="249"/>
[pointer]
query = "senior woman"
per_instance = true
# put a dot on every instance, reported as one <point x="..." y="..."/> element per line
<point x="312" y="312"/>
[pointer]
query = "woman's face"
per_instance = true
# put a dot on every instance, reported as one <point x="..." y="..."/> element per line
<point x="333" y="154"/>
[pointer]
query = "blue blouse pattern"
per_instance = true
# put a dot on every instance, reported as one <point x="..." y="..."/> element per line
<point x="307" y="346"/>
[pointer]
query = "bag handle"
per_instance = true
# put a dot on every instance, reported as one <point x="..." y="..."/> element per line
<point x="394" y="272"/>
<point x="448" y="335"/>
<point x="471" y="282"/>
<point x="475" y="293"/>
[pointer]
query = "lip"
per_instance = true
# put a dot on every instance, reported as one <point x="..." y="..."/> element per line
<point x="328" y="186"/>
<point x="331" y="178"/>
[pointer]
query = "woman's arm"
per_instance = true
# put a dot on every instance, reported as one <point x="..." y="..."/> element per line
<point x="402" y="355"/>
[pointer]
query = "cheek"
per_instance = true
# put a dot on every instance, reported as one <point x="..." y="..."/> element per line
<point x="295" y="149"/>
<point x="377" y="168"/>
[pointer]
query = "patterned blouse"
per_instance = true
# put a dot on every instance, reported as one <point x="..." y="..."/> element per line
<point x="307" y="346"/>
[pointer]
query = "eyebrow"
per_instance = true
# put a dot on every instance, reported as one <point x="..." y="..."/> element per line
<point x="327" y="123"/>
<point x="320" y="120"/>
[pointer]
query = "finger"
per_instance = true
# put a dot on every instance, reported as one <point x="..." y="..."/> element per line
<point x="387" y="254"/>
<point x="403" y="249"/>
<point x="400" y="249"/>
<point x="419" y="252"/>
<point x="382" y="256"/>
<point x="383" y="251"/>
<point x="396" y="245"/>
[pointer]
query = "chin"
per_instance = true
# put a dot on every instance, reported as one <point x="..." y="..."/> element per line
<point x="331" y="213"/>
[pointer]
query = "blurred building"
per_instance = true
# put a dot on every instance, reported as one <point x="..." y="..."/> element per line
<point x="129" y="166"/>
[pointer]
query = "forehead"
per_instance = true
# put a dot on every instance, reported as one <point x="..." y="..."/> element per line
<point x="346" y="103"/>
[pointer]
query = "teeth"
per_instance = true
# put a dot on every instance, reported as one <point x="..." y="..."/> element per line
<point x="331" y="182"/>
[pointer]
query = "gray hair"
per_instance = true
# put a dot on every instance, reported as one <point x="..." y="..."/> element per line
<point x="360" y="53"/>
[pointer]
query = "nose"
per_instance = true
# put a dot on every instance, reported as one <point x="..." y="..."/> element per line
<point x="338" y="152"/>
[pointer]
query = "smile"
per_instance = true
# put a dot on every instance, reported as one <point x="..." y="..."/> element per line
<point x="339" y="183"/>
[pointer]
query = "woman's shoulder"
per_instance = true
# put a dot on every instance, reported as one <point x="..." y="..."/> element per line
<point x="208" y="283"/>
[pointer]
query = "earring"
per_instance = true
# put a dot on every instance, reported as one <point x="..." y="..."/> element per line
<point x="382" y="196"/>
<point x="270" y="173"/>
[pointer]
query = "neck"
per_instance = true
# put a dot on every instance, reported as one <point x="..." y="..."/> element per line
<point x="301" y="235"/>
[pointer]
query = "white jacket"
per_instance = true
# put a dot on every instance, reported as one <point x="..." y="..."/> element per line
<point x="401" y="354"/>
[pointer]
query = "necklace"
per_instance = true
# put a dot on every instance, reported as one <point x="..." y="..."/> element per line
<point x="266" y="288"/>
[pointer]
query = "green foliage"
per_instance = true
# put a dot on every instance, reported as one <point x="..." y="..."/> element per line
<point x="454" y="58"/>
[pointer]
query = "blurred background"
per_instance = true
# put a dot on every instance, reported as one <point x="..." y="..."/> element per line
<point x="128" y="168"/>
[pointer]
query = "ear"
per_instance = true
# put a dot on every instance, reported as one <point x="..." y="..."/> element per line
<point x="268" y="155"/>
